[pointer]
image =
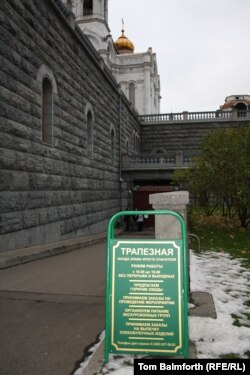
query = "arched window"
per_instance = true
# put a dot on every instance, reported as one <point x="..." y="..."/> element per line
<point x="112" y="141"/>
<point x="87" y="7"/>
<point x="47" y="112"/>
<point x="131" y="93"/>
<point x="241" y="108"/>
<point x="48" y="85"/>
<point x="89" y="135"/>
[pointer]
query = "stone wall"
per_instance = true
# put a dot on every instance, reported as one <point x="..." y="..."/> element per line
<point x="171" y="137"/>
<point x="55" y="192"/>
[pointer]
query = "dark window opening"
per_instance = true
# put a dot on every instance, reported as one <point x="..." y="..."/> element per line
<point x="241" y="108"/>
<point x="47" y="111"/>
<point x="132" y="93"/>
<point x="88" y="7"/>
<point x="112" y="135"/>
<point x="90" y="135"/>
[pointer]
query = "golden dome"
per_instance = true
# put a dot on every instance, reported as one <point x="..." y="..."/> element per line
<point x="124" y="45"/>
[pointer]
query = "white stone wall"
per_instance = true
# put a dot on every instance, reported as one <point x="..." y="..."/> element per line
<point x="140" y="69"/>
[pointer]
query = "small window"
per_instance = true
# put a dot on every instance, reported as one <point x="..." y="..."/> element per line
<point x="132" y="93"/>
<point x="47" y="112"/>
<point x="88" y="7"/>
<point x="112" y="138"/>
<point x="90" y="135"/>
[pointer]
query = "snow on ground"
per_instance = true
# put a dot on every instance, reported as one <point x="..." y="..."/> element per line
<point x="228" y="282"/>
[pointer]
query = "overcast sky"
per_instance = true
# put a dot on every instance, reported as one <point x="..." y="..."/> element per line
<point x="202" y="47"/>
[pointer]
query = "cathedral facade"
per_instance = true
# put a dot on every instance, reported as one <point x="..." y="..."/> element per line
<point x="136" y="73"/>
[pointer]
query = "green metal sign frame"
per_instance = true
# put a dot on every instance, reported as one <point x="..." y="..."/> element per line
<point x="147" y="293"/>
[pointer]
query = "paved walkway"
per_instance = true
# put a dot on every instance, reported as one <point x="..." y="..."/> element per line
<point x="53" y="309"/>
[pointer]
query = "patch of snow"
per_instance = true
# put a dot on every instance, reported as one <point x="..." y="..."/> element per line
<point x="228" y="282"/>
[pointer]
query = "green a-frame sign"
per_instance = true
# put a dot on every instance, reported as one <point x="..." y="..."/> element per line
<point x="147" y="293"/>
